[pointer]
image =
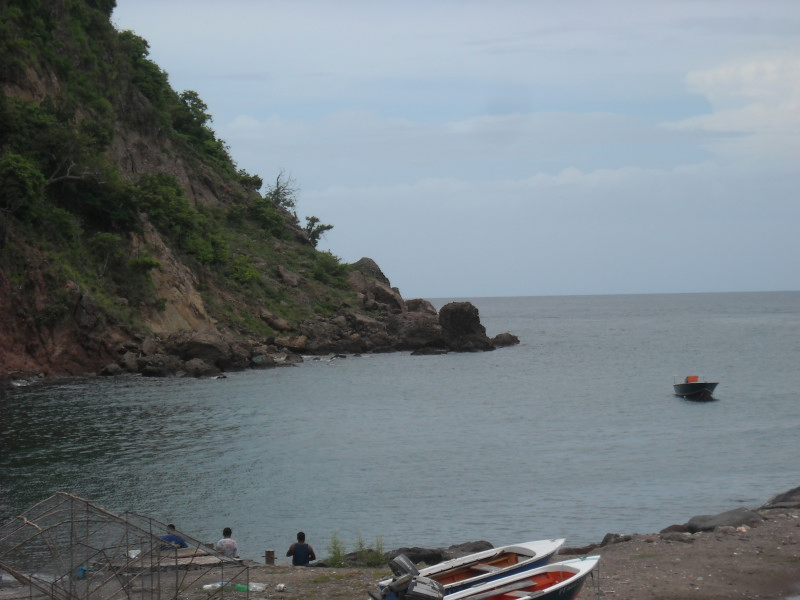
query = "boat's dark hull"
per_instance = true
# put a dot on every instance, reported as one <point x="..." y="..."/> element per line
<point x="700" y="390"/>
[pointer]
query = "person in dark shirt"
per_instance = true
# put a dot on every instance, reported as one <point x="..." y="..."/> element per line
<point x="173" y="539"/>
<point x="301" y="552"/>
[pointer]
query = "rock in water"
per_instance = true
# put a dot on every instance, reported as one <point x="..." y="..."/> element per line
<point x="462" y="328"/>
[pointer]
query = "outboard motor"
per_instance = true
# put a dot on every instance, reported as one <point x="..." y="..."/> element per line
<point x="402" y="565"/>
<point x="399" y="585"/>
<point x="424" y="588"/>
<point x="407" y="583"/>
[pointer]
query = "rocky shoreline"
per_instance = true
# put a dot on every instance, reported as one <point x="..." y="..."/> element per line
<point x="455" y="328"/>
<point x="742" y="554"/>
<point x="389" y="324"/>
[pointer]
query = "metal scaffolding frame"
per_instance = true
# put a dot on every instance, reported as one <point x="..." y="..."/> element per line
<point x="67" y="548"/>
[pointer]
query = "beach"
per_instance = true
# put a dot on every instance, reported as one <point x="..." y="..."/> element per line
<point x="730" y="563"/>
<point x="733" y="563"/>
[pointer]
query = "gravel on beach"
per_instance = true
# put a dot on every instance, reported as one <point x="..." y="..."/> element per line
<point x="730" y="563"/>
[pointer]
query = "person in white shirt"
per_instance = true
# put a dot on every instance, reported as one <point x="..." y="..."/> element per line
<point x="226" y="545"/>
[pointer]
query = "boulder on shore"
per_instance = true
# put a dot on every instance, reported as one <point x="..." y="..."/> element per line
<point x="790" y="499"/>
<point x="427" y="556"/>
<point x="731" y="518"/>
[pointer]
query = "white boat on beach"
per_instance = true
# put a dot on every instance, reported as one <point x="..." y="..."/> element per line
<point x="462" y="573"/>
<point x="562" y="580"/>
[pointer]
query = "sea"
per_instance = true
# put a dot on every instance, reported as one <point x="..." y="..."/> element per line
<point x="573" y="433"/>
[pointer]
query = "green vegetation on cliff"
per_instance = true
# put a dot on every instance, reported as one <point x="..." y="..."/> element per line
<point x="96" y="147"/>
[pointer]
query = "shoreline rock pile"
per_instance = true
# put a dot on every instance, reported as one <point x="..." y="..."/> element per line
<point x="455" y="328"/>
<point x="384" y="322"/>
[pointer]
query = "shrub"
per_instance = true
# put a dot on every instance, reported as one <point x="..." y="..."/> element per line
<point x="136" y="282"/>
<point x="337" y="552"/>
<point x="242" y="270"/>
<point x="263" y="211"/>
<point x="21" y="186"/>
<point x="56" y="308"/>
<point x="329" y="270"/>
<point x="371" y="557"/>
<point x="161" y="197"/>
<point x="143" y="264"/>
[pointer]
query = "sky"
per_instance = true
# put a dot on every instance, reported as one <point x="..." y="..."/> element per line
<point x="510" y="147"/>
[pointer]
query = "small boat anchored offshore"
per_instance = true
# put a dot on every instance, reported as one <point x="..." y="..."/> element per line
<point x="694" y="388"/>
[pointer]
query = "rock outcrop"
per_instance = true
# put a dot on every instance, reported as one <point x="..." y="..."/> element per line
<point x="462" y="328"/>
<point x="433" y="556"/>
<point x="175" y="283"/>
<point x="47" y="340"/>
<point x="186" y="342"/>
<point x="734" y="522"/>
<point x="418" y="555"/>
<point x="732" y="518"/>
<point x="790" y="499"/>
<point x="392" y="324"/>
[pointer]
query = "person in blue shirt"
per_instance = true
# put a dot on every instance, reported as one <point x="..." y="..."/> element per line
<point x="173" y="539"/>
<point x="301" y="552"/>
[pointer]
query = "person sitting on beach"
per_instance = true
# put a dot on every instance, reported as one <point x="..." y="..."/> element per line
<point x="301" y="552"/>
<point x="226" y="545"/>
<point x="173" y="539"/>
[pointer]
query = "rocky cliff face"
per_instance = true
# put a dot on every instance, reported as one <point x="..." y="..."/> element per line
<point x="45" y="340"/>
<point x="392" y="324"/>
<point x="387" y="324"/>
<point x="176" y="283"/>
<point x="185" y="341"/>
<point x="56" y="320"/>
<point x="75" y="336"/>
<point x="145" y="152"/>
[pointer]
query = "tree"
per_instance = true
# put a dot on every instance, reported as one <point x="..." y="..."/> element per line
<point x="197" y="108"/>
<point x="191" y="117"/>
<point x="105" y="6"/>
<point x="21" y="184"/>
<point x="315" y="231"/>
<point x="107" y="246"/>
<point x="284" y="193"/>
<point x="251" y="183"/>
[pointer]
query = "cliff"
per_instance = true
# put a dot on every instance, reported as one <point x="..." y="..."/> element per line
<point x="130" y="242"/>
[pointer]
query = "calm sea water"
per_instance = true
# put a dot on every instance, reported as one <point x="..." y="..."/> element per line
<point x="574" y="433"/>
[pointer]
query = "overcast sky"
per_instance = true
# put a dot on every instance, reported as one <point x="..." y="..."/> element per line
<point x="514" y="148"/>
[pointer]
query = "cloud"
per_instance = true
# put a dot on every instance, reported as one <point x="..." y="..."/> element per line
<point x="684" y="230"/>
<point x="771" y="81"/>
<point x="586" y="201"/>
<point x="757" y="98"/>
<point x="517" y="147"/>
<point x="360" y="147"/>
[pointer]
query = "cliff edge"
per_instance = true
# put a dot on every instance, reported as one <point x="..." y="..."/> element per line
<point x="131" y="242"/>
